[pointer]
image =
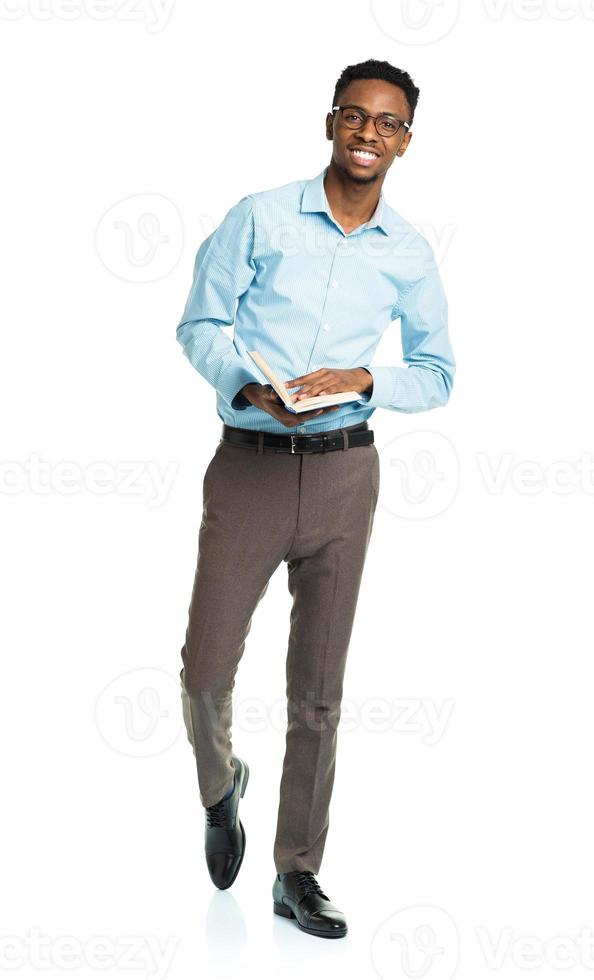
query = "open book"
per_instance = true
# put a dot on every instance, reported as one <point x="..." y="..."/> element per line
<point x="304" y="404"/>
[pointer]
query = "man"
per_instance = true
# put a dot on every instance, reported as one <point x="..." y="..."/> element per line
<point x="310" y="273"/>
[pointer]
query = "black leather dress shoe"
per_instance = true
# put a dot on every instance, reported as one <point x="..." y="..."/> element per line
<point x="224" y="835"/>
<point x="297" y="895"/>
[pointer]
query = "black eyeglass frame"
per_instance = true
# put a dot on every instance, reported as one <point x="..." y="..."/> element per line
<point x="367" y="115"/>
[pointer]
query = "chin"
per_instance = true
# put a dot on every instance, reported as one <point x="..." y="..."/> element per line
<point x="351" y="170"/>
<point x="355" y="174"/>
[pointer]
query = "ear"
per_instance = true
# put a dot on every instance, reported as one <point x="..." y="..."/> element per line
<point x="403" y="146"/>
<point x="330" y="126"/>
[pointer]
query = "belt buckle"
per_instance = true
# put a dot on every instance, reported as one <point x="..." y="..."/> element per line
<point x="297" y="435"/>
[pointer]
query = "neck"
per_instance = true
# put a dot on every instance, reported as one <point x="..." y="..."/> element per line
<point x="352" y="202"/>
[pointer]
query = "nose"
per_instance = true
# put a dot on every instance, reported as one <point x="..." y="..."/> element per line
<point x="368" y="131"/>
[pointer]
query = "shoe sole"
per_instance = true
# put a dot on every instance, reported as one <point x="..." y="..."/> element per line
<point x="289" y="914"/>
<point x="241" y="793"/>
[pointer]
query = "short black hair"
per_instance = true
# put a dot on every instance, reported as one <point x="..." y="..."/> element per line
<point x="379" y="69"/>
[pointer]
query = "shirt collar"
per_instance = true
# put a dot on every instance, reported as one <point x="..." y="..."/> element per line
<point x="314" y="199"/>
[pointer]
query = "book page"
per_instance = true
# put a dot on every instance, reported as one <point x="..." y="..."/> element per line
<point x="315" y="401"/>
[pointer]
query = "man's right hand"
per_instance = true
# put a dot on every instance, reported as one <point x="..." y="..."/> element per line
<point x="266" y="398"/>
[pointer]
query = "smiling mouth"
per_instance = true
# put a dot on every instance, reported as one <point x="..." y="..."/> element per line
<point x="363" y="156"/>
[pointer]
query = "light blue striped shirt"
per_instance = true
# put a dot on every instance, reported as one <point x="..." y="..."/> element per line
<point x="296" y="288"/>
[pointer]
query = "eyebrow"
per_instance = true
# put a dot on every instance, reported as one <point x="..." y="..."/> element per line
<point x="351" y="105"/>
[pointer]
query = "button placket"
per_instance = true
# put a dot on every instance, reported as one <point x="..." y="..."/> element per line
<point x="326" y="324"/>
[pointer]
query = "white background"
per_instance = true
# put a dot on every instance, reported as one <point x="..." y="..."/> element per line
<point x="461" y="821"/>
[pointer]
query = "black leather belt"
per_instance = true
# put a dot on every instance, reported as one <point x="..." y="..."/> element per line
<point x="317" y="442"/>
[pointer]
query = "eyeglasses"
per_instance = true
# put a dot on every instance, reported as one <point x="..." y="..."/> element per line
<point x="354" y="117"/>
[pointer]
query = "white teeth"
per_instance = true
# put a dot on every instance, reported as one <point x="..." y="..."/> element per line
<point x="364" y="154"/>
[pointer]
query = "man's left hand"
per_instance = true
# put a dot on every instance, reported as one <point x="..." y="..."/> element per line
<point x="329" y="381"/>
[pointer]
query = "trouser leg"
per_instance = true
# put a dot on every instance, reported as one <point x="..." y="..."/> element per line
<point x="249" y="513"/>
<point x="338" y="498"/>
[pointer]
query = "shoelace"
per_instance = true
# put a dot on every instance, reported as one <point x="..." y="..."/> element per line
<point x="216" y="815"/>
<point x="306" y="883"/>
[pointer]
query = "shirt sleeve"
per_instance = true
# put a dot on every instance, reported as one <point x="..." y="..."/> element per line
<point x="427" y="380"/>
<point x="223" y="270"/>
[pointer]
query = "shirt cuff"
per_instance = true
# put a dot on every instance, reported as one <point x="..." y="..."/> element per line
<point x="240" y="402"/>
<point x="383" y="387"/>
<point x="231" y="383"/>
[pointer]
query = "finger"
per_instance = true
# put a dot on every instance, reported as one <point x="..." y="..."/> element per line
<point x="308" y="391"/>
<point x="279" y="412"/>
<point x="288" y="419"/>
<point x="304" y="378"/>
<point x="323" y="386"/>
<point x="317" y="411"/>
<point x="311" y="391"/>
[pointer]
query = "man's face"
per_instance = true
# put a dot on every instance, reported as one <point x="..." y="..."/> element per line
<point x="375" y="97"/>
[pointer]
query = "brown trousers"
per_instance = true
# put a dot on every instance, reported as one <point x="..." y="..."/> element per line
<point x="314" y="511"/>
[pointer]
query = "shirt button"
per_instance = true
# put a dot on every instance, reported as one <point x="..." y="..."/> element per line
<point x="325" y="326"/>
<point x="334" y="283"/>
